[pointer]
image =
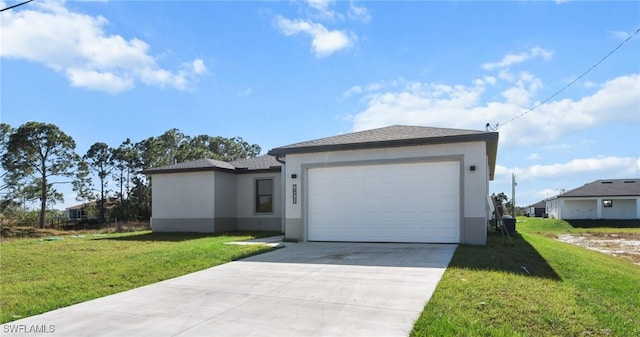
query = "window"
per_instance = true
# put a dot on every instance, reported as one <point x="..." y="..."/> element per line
<point x="607" y="203"/>
<point x="264" y="195"/>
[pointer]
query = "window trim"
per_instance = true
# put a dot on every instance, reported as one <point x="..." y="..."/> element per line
<point x="256" y="195"/>
<point x="608" y="203"/>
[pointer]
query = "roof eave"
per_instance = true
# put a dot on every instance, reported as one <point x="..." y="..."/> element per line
<point x="183" y="170"/>
<point x="279" y="151"/>
<point x="492" y="155"/>
<point x="599" y="196"/>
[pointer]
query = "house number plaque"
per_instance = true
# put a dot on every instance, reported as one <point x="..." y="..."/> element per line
<point x="294" y="194"/>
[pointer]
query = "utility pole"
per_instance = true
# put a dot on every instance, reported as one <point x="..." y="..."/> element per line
<point x="513" y="195"/>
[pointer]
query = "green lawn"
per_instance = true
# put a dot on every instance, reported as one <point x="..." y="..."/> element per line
<point x="538" y="287"/>
<point x="39" y="275"/>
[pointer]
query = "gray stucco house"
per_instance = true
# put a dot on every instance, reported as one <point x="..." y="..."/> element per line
<point x="601" y="199"/>
<point x="392" y="184"/>
<point x="209" y="195"/>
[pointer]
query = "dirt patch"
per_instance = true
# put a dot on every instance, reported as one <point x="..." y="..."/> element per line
<point x="8" y="233"/>
<point x="625" y="245"/>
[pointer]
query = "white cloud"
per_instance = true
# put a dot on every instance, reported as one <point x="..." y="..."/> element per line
<point x="356" y="89"/>
<point x="107" y="82"/>
<point x="324" y="42"/>
<point x="320" y="5"/>
<point x="244" y="93"/>
<point x="533" y="156"/>
<point x="77" y="45"/>
<point x="460" y="106"/>
<point x="525" y="86"/>
<point x="198" y="67"/>
<point x="604" y="167"/>
<point x="512" y="59"/>
<point x="359" y="13"/>
<point x="323" y="10"/>
<point x="578" y="166"/>
<point x="620" y="34"/>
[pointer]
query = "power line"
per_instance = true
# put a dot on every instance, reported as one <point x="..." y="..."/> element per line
<point x="16" y="5"/>
<point x="574" y="81"/>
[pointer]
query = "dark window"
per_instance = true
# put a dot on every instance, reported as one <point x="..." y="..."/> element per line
<point x="607" y="203"/>
<point x="264" y="196"/>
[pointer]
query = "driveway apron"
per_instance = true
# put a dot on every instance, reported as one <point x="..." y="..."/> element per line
<point x="305" y="289"/>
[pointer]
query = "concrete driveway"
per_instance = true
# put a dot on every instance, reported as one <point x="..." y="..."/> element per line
<point x="305" y="289"/>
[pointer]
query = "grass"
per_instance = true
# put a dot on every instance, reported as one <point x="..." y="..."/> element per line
<point x="40" y="275"/>
<point x="538" y="287"/>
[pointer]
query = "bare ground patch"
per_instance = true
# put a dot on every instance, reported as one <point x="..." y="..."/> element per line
<point x="624" y="245"/>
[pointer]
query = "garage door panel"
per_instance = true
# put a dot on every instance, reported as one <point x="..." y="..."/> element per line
<point x="415" y="202"/>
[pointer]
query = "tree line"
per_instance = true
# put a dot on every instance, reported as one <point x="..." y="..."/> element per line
<point x="36" y="157"/>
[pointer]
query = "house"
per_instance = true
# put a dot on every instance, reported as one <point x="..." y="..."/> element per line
<point x="601" y="199"/>
<point x="83" y="211"/>
<point x="209" y="195"/>
<point x="392" y="184"/>
<point x="537" y="210"/>
<point x="76" y="212"/>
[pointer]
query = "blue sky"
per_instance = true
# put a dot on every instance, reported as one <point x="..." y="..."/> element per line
<point x="280" y="72"/>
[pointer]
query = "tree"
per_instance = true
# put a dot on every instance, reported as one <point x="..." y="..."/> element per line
<point x="99" y="161"/>
<point x="126" y="159"/>
<point x="220" y="148"/>
<point x="499" y="200"/>
<point x="35" y="154"/>
<point x="5" y="133"/>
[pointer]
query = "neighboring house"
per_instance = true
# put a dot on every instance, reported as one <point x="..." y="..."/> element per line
<point x="76" y="212"/>
<point x="392" y="184"/>
<point x="537" y="210"/>
<point x="209" y="195"/>
<point x="601" y="199"/>
<point x="79" y="212"/>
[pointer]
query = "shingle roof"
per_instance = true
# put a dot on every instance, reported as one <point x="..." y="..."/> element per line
<point x="264" y="162"/>
<point x="194" y="165"/>
<point x="606" y="188"/>
<point x="539" y="204"/>
<point x="396" y="135"/>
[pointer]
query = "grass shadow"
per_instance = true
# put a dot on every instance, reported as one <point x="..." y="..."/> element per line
<point x="521" y="258"/>
<point x="634" y="223"/>
<point x="185" y="236"/>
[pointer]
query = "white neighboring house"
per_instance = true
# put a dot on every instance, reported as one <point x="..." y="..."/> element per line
<point x="392" y="184"/>
<point x="601" y="199"/>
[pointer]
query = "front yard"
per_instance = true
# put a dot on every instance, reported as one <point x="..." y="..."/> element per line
<point x="538" y="287"/>
<point x="40" y="275"/>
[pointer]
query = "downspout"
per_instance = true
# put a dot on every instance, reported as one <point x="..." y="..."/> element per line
<point x="283" y="188"/>
<point x="280" y="160"/>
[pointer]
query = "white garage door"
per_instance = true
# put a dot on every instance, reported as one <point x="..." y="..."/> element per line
<point x="409" y="202"/>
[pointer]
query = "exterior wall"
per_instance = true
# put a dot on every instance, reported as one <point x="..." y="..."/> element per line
<point x="225" y="202"/>
<point x="580" y="209"/>
<point x="180" y="196"/>
<point x="212" y="201"/>
<point x="621" y="209"/>
<point x="592" y="208"/>
<point x="247" y="218"/>
<point x="183" y="225"/>
<point x="553" y="208"/>
<point x="473" y="184"/>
